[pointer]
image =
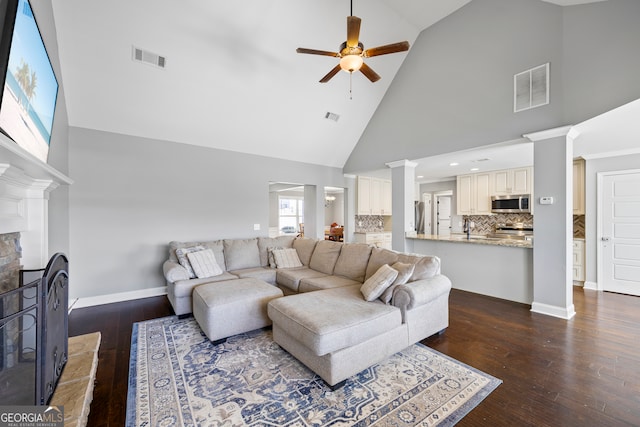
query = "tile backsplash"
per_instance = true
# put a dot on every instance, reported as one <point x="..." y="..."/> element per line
<point x="369" y="223"/>
<point x="484" y="224"/>
<point x="578" y="226"/>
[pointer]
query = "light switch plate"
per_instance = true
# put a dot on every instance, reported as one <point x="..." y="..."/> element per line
<point x="256" y="227"/>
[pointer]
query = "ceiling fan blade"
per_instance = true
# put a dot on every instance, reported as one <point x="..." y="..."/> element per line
<point x="317" y="52"/>
<point x="386" y="49"/>
<point x="330" y="74"/>
<point x="369" y="73"/>
<point x="353" y="31"/>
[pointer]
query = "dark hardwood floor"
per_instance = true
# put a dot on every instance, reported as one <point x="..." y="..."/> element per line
<point x="581" y="372"/>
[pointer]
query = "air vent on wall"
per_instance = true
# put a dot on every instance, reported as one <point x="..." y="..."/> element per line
<point x="146" y="57"/>
<point x="332" y="116"/>
<point x="531" y="88"/>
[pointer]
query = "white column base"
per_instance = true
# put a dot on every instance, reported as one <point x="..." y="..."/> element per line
<point x="555" y="311"/>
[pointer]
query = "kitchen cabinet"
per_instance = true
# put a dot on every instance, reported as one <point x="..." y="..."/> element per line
<point x="513" y="181"/>
<point x="378" y="239"/>
<point x="473" y="195"/>
<point x="578" y="260"/>
<point x="374" y="196"/>
<point x="578" y="187"/>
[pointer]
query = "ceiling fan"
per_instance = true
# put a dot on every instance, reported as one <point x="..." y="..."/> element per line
<point x="352" y="52"/>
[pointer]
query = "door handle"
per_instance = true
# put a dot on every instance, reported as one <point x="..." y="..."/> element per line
<point x="605" y="239"/>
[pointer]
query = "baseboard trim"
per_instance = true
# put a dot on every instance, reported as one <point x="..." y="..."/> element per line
<point x="555" y="311"/>
<point x="119" y="297"/>
<point x="593" y="286"/>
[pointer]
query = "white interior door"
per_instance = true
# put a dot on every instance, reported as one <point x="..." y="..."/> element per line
<point x="426" y="197"/>
<point x="444" y="215"/>
<point x="620" y="233"/>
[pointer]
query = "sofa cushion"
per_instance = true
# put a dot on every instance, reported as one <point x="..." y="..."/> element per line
<point x="333" y="319"/>
<point x="353" y="260"/>
<point x="378" y="258"/>
<point x="184" y="288"/>
<point x="215" y="245"/>
<point x="312" y="284"/>
<point x="305" y="247"/>
<point x="264" y="243"/>
<point x="265" y="274"/>
<point x="375" y="285"/>
<point x="325" y="256"/>
<point x="290" y="277"/>
<point x="426" y="266"/>
<point x="286" y="258"/>
<point x="241" y="253"/>
<point x="405" y="271"/>
<point x="204" y="263"/>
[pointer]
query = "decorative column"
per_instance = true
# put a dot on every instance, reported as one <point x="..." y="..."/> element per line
<point x="553" y="223"/>
<point x="402" y="190"/>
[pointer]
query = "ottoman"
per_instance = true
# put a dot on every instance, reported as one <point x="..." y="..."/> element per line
<point x="231" y="307"/>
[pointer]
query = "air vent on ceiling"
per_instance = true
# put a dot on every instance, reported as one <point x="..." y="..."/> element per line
<point x="332" y="116"/>
<point x="146" y="57"/>
<point x="531" y="88"/>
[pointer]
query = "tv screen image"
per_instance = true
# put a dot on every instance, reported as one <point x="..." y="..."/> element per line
<point x="30" y="87"/>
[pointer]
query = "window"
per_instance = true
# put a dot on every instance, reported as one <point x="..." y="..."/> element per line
<point x="291" y="214"/>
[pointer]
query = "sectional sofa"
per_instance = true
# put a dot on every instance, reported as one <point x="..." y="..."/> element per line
<point x="334" y="317"/>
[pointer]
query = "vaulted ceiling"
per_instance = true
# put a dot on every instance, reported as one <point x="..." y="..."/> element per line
<point x="233" y="79"/>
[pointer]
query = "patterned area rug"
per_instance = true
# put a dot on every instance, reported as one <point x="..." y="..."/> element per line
<point x="177" y="377"/>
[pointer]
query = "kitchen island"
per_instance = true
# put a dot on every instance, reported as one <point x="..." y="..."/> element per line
<point x="501" y="268"/>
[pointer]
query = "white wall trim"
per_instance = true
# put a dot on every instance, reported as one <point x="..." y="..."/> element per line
<point x="555" y="311"/>
<point x="401" y="163"/>
<point x="548" y="134"/>
<point x="592" y="286"/>
<point x="119" y="297"/>
<point x="618" y="153"/>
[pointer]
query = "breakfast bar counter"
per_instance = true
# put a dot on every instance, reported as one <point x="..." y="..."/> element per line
<point x="501" y="268"/>
<point x="475" y="239"/>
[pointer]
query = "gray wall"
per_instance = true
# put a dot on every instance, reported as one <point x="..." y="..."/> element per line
<point x="454" y="90"/>
<point x="601" y="57"/>
<point x="592" y="168"/>
<point x="59" y="145"/>
<point x="132" y="196"/>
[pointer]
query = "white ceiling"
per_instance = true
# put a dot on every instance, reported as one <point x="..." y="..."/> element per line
<point x="233" y="80"/>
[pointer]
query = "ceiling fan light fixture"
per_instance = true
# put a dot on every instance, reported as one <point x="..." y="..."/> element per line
<point x="351" y="63"/>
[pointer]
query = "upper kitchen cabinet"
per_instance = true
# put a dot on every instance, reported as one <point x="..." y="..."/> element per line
<point x="374" y="196"/>
<point x="474" y="194"/>
<point x="578" y="187"/>
<point x="513" y="181"/>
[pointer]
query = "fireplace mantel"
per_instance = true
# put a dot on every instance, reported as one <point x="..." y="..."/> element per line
<point x="25" y="185"/>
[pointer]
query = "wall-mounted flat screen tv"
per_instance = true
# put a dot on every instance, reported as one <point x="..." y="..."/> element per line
<point x="30" y="86"/>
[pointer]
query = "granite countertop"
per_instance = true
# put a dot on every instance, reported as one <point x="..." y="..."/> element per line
<point x="475" y="239"/>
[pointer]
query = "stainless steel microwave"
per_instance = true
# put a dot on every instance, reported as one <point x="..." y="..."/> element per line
<point x="512" y="203"/>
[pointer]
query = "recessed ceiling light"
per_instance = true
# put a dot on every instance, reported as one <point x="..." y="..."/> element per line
<point x="454" y="164"/>
<point x="474" y="169"/>
<point x="420" y="176"/>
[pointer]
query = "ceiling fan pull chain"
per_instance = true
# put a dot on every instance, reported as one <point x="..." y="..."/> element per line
<point x="350" y="85"/>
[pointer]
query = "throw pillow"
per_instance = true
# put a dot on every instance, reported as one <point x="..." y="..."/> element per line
<point x="204" y="263"/>
<point x="404" y="274"/>
<point x="181" y="254"/>
<point x="271" y="261"/>
<point x="375" y="285"/>
<point x="286" y="258"/>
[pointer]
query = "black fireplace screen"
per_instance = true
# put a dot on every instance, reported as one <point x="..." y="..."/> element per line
<point x="34" y="334"/>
